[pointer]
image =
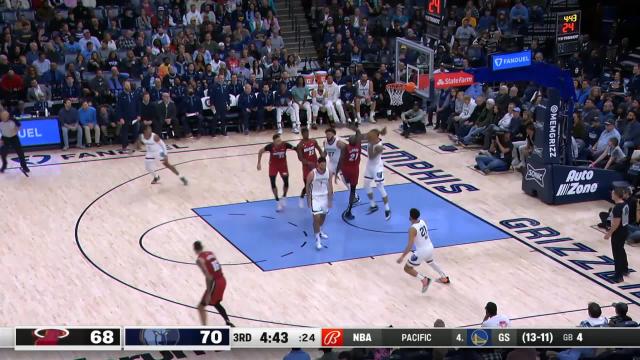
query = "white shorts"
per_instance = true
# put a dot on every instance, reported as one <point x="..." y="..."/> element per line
<point x="417" y="258"/>
<point x="332" y="166"/>
<point x="320" y="204"/>
<point x="376" y="174"/>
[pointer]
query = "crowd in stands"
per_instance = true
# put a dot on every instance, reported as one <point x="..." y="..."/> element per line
<point x="118" y="59"/>
<point x="492" y="319"/>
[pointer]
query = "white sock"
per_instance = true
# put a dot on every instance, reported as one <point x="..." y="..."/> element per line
<point x="372" y="203"/>
<point x="317" y="236"/>
<point x="437" y="268"/>
<point x="420" y="276"/>
<point x="386" y="207"/>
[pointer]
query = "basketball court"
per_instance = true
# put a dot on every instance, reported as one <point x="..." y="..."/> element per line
<point x="89" y="240"/>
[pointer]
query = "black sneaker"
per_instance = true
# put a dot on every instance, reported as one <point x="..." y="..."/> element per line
<point x="372" y="209"/>
<point x="155" y="180"/>
<point x="617" y="280"/>
<point x="387" y="215"/>
<point x="348" y="215"/>
<point x="230" y="324"/>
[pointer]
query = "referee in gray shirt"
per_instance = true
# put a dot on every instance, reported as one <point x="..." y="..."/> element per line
<point x="9" y="137"/>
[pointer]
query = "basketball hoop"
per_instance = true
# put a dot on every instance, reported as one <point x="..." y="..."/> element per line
<point x="395" y="90"/>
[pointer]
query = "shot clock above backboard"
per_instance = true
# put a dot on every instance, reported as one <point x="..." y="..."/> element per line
<point x="434" y="17"/>
<point x="568" y="31"/>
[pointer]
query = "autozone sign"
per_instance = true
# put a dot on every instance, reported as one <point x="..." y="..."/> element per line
<point x="452" y="79"/>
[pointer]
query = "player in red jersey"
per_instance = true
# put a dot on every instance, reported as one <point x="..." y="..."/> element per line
<point x="216" y="283"/>
<point x="350" y="166"/>
<point x="308" y="150"/>
<point x="277" y="165"/>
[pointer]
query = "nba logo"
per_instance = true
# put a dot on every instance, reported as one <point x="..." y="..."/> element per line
<point x="332" y="337"/>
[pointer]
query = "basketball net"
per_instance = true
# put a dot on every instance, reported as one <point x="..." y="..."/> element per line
<point x="395" y="90"/>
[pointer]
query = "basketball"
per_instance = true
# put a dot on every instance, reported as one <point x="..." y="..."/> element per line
<point x="410" y="87"/>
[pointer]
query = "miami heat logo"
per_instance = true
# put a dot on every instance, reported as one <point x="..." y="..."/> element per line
<point x="49" y="336"/>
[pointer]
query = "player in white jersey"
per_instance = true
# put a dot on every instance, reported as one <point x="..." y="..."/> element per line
<point x="374" y="171"/>
<point x="319" y="197"/>
<point x="156" y="151"/>
<point x="321" y="101"/>
<point x="419" y="237"/>
<point x="364" y="94"/>
<point x="331" y="151"/>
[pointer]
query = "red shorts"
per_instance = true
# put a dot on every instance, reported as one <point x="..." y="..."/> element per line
<point x="275" y="169"/>
<point x="306" y="170"/>
<point x="217" y="293"/>
<point x="351" y="175"/>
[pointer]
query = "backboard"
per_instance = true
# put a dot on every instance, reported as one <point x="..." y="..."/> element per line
<point x="414" y="63"/>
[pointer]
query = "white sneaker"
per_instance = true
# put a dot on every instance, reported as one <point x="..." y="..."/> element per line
<point x="323" y="235"/>
<point x="283" y="203"/>
<point x="318" y="244"/>
<point x="279" y="206"/>
<point x="279" y="131"/>
<point x="301" y="203"/>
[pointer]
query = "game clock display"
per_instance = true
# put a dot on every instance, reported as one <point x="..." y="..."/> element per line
<point x="276" y="337"/>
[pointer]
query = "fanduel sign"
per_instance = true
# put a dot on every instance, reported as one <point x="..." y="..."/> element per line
<point x="38" y="132"/>
<point x="510" y="60"/>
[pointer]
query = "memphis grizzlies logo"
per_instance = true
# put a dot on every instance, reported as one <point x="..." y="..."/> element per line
<point x="34" y="159"/>
<point x="160" y="336"/>
<point x="536" y="175"/>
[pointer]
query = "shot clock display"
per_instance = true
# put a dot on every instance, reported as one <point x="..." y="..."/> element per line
<point x="568" y="32"/>
<point x="434" y="18"/>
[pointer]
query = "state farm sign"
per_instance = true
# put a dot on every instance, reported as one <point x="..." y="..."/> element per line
<point x="452" y="79"/>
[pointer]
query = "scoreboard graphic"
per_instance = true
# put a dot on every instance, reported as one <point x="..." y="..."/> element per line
<point x="223" y="338"/>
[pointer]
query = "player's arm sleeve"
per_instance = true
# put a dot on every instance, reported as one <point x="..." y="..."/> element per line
<point x="289" y="146"/>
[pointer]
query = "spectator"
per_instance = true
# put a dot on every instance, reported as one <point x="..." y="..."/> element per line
<point x="612" y="158"/>
<point x="265" y="105"/>
<point x="346" y="103"/>
<point x="297" y="354"/>
<point x="413" y="120"/>
<point x="193" y="13"/>
<point x="465" y="33"/>
<point x="247" y="105"/>
<point x="300" y="93"/>
<point x="99" y="89"/>
<point x="11" y="86"/>
<point x="443" y="109"/>
<point x="107" y="121"/>
<point x="595" y="318"/>
<point x="54" y="79"/>
<point x="89" y="121"/>
<point x="70" y="120"/>
<point x="492" y="319"/>
<point x="631" y="135"/>
<point x="38" y="92"/>
<point x="149" y="114"/>
<point x="42" y="64"/>
<point x="283" y="101"/>
<point x="468" y="105"/>
<point x="621" y="319"/>
<point x="128" y="110"/>
<point x="168" y="114"/>
<point x="524" y="148"/>
<point x="634" y="83"/>
<point x="601" y="144"/>
<point x="220" y="100"/>
<point x="500" y="155"/>
<point x="519" y="15"/>
<point x="192" y="113"/>
<point x="484" y="119"/>
<point x="328" y="354"/>
<point x="70" y="90"/>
